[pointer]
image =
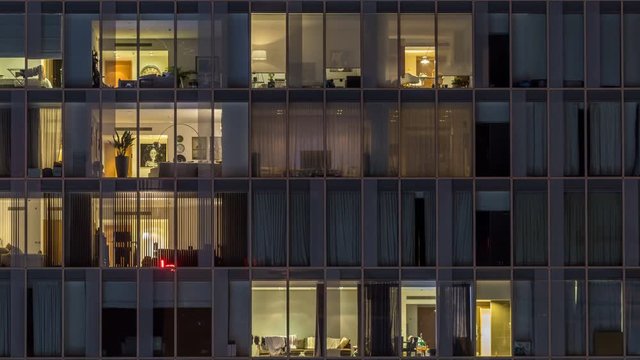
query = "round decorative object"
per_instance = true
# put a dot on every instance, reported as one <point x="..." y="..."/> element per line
<point x="179" y="138"/>
<point x="181" y="158"/>
<point x="150" y="70"/>
<point x="180" y="148"/>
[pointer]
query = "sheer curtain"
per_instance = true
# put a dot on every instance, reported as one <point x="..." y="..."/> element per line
<point x="5" y="142"/>
<point x="343" y="138"/>
<point x="455" y="318"/>
<point x="45" y="137"/>
<point x="418" y="228"/>
<point x="268" y="139"/>
<point x="462" y="228"/>
<point x="387" y="228"/>
<point x="300" y="227"/>
<point x="381" y="319"/>
<point x="574" y="228"/>
<point x="530" y="227"/>
<point x="604" y="138"/>
<point x="306" y="140"/>
<point x="536" y="138"/>
<point x="269" y="228"/>
<point x="632" y="299"/>
<point x="381" y="138"/>
<point x="605" y="310"/>
<point x="5" y="318"/>
<point x="523" y="313"/>
<point x="343" y="228"/>
<point x="605" y="228"/>
<point x="418" y="140"/>
<point x="47" y="318"/>
<point x="632" y="139"/>
<point x="572" y="139"/>
<point x="574" y="316"/>
<point x="454" y="139"/>
<point x="194" y="229"/>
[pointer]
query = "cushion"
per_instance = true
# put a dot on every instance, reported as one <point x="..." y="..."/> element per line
<point x="344" y="342"/>
<point x="310" y="343"/>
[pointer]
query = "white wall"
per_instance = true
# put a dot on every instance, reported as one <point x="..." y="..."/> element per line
<point x="269" y="317"/>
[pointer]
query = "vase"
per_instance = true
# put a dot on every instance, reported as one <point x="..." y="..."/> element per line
<point x="122" y="166"/>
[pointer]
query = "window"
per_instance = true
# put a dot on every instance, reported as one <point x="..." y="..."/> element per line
<point x="44" y="134"/>
<point x="343" y="223"/>
<point x="12" y="55"/>
<point x="631" y="53"/>
<point x="119" y="234"/>
<point x="631" y="137"/>
<point x="12" y="129"/>
<point x="342" y="44"/>
<point x="268" y="50"/>
<point x="604" y="121"/>
<point x="380" y="60"/>
<point x="568" y="313"/>
<point x="455" y="122"/>
<point x="269" y="223"/>
<point x="603" y="43"/>
<point x="306" y="221"/>
<point x="81" y="153"/>
<point x="119" y="313"/>
<point x="529" y="56"/>
<point x="455" y="222"/>
<point x="306" y="36"/>
<point x="194" y="219"/>
<point x="230" y="206"/>
<point x="493" y="316"/>
<point x="231" y="135"/>
<point x="493" y="230"/>
<point x="193" y="318"/>
<point x="606" y="335"/>
<point x="119" y="120"/>
<point x="604" y="223"/>
<point x="344" y="129"/>
<point x="381" y="316"/>
<point x="44" y="39"/>
<point x="44" y="224"/>
<point x="44" y="313"/>
<point x="12" y="314"/>
<point x="343" y="315"/>
<point x="417" y="134"/>
<point x="530" y="313"/>
<point x="632" y="306"/>
<point x="418" y="318"/>
<point x="156" y="214"/>
<point x="268" y="135"/>
<point x="418" y="223"/>
<point x="232" y="324"/>
<point x="157" y="136"/>
<point x="156" y="312"/>
<point x="566" y="133"/>
<point x="156" y="56"/>
<point x="12" y="224"/>
<point x="192" y="133"/>
<point x="194" y="63"/>
<point x="81" y="307"/>
<point x="529" y="133"/>
<point x="81" y="214"/>
<point x="120" y="45"/>
<point x="455" y="324"/>
<point x="566" y="45"/>
<point x="492" y="44"/>
<point x="381" y="212"/>
<point x="492" y="134"/>
<point x="380" y="132"/>
<point x="231" y="44"/>
<point x="530" y="223"/>
<point x="417" y="45"/>
<point x="82" y="45"/>
<point x="455" y="56"/>
<point x="306" y="134"/>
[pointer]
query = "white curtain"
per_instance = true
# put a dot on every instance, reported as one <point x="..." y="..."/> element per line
<point x="574" y="228"/>
<point x="632" y="138"/>
<point x="530" y="227"/>
<point x="387" y="228"/>
<point x="5" y="318"/>
<point x="572" y="139"/>
<point x="604" y="138"/>
<point x="47" y="318"/>
<point x="605" y="308"/>
<point x="306" y="140"/>
<point x="605" y="228"/>
<point x="268" y="139"/>
<point x="462" y="228"/>
<point x="343" y="228"/>
<point x="343" y="138"/>
<point x="454" y="139"/>
<point x="418" y="140"/>
<point x="269" y="228"/>
<point x="536" y="122"/>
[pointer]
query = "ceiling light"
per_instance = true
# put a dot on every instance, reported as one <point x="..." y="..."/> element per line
<point x="424" y="60"/>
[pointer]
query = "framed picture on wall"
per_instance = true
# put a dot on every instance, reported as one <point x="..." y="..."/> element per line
<point x="152" y="154"/>
<point x="199" y="148"/>
<point x="203" y="69"/>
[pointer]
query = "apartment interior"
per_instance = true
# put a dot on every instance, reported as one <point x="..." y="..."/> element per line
<point x="418" y="318"/>
<point x="493" y="318"/>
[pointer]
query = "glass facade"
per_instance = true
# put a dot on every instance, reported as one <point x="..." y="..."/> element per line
<point x="323" y="179"/>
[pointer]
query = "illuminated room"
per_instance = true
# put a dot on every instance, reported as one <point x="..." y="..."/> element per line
<point x="418" y="318"/>
<point x="493" y="318"/>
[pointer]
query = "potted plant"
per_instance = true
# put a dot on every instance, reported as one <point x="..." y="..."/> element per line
<point x="122" y="144"/>
<point x="181" y="75"/>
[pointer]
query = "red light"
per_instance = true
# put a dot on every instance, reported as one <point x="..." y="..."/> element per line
<point x="162" y="263"/>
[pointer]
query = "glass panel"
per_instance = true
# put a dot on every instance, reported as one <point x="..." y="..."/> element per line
<point x="417" y="134"/>
<point x="157" y="226"/>
<point x="530" y="223"/>
<point x="343" y="136"/>
<point x="157" y="138"/>
<point x="455" y="56"/>
<point x="82" y="45"/>
<point x="605" y="318"/>
<point x="231" y="139"/>
<point x="604" y="134"/>
<point x="455" y="318"/>
<point x="455" y="222"/>
<point x="269" y="328"/>
<point x="566" y="133"/>
<point x="418" y="318"/>
<point x="156" y="315"/>
<point x="493" y="318"/>
<point x="230" y="205"/>
<point x="568" y="313"/>
<point x="530" y="313"/>
<point x="120" y="226"/>
<point x="381" y="318"/>
<point x="306" y="321"/>
<point x="382" y="214"/>
<point x="81" y="224"/>
<point x="603" y="43"/>
<point x="342" y="50"/>
<point x="455" y="121"/>
<point x="632" y="306"/>
<point x="380" y="46"/>
<point x="492" y="134"/>
<point x="194" y="214"/>
<point x="269" y="137"/>
<point x="529" y="55"/>
<point x="306" y="223"/>
<point x="231" y="320"/>
<point x="44" y="313"/>
<point x="12" y="134"/>
<point x="380" y="134"/>
<point x="12" y="225"/>
<point x="193" y="319"/>
<point x="418" y="50"/>
<point x="491" y="36"/>
<point x="156" y="44"/>
<point x="418" y="224"/>
<point x="231" y="53"/>
<point x="566" y="44"/>
<point x="269" y="224"/>
<point x="44" y="39"/>
<point x="44" y="225"/>
<point x="343" y="223"/>
<point x="604" y="223"/>
<point x="306" y="36"/>
<point x="268" y="50"/>
<point x="493" y="230"/>
<point x="81" y="306"/>
<point x="119" y="45"/>
<point x="12" y="56"/>
<point x="631" y="134"/>
<point x="119" y="314"/>
<point x="193" y="135"/>
<point x="631" y="44"/>
<point x="529" y="133"/>
<point x="44" y="135"/>
<point x="306" y="130"/>
<point x="119" y="123"/>
<point x="194" y="65"/>
<point x="12" y="303"/>
<point x="342" y="316"/>
<point x="81" y="155"/>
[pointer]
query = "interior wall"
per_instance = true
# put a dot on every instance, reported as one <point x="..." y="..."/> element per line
<point x="342" y="314"/>
<point x="269" y="312"/>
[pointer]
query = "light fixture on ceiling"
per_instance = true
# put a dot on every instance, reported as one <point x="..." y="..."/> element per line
<point x="424" y="60"/>
<point x="257" y="55"/>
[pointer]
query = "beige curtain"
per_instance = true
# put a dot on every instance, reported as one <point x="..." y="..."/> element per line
<point x="268" y="138"/>
<point x="455" y="139"/>
<point x="418" y="141"/>
<point x="343" y="138"/>
<point x="50" y="136"/>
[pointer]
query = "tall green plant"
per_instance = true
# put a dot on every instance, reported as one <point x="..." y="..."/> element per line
<point x="122" y="143"/>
